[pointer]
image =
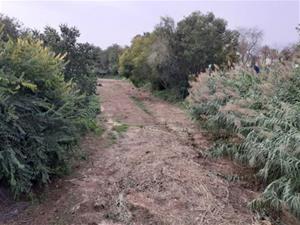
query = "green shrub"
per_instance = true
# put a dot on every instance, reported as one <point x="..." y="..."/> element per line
<point x="258" y="115"/>
<point x="41" y="115"/>
<point x="82" y="59"/>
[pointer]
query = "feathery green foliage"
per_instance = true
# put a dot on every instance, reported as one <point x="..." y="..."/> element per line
<point x="41" y="115"/>
<point x="259" y="117"/>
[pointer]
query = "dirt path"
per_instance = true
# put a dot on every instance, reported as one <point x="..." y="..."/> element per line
<point x="151" y="173"/>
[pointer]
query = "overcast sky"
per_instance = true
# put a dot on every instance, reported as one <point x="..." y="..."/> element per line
<point x="105" y="22"/>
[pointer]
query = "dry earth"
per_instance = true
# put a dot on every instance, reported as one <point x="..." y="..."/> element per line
<point x="152" y="173"/>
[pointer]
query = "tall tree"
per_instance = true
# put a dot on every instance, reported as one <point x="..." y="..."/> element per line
<point x="10" y="28"/>
<point x="111" y="58"/>
<point x="202" y="40"/>
<point x="81" y="58"/>
<point x="249" y="43"/>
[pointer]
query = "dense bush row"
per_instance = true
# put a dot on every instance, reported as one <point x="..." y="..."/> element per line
<point x="166" y="57"/>
<point x="43" y="112"/>
<point x="256" y="120"/>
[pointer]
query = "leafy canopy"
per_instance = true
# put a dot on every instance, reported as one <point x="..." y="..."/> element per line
<point x="166" y="57"/>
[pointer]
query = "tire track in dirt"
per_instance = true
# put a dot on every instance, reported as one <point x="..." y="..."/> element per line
<point x="150" y="174"/>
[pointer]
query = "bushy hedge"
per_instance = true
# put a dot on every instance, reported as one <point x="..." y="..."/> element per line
<point x="257" y="119"/>
<point x="41" y="115"/>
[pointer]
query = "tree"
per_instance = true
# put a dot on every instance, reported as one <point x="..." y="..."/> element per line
<point x="11" y="28"/>
<point x="133" y="62"/>
<point x="265" y="52"/>
<point x="81" y="58"/>
<point x="110" y="59"/>
<point x="288" y="52"/>
<point x="268" y="54"/>
<point x="202" y="40"/>
<point x="249" y="43"/>
<point x="166" y="57"/>
<point x="161" y="57"/>
<point x="51" y="38"/>
<point x="166" y="28"/>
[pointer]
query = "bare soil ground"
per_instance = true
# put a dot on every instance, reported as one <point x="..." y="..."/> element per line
<point x="151" y="173"/>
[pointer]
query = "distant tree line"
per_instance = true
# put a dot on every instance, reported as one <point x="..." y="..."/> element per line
<point x="166" y="57"/>
<point x="173" y="52"/>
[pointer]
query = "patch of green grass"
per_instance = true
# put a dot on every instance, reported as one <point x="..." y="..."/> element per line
<point x="140" y="104"/>
<point x="99" y="130"/>
<point x="112" y="137"/>
<point x="182" y="105"/>
<point x="167" y="95"/>
<point x="121" y="128"/>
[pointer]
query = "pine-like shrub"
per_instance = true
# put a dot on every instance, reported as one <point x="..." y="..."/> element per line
<point x="41" y="115"/>
<point x="257" y="117"/>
